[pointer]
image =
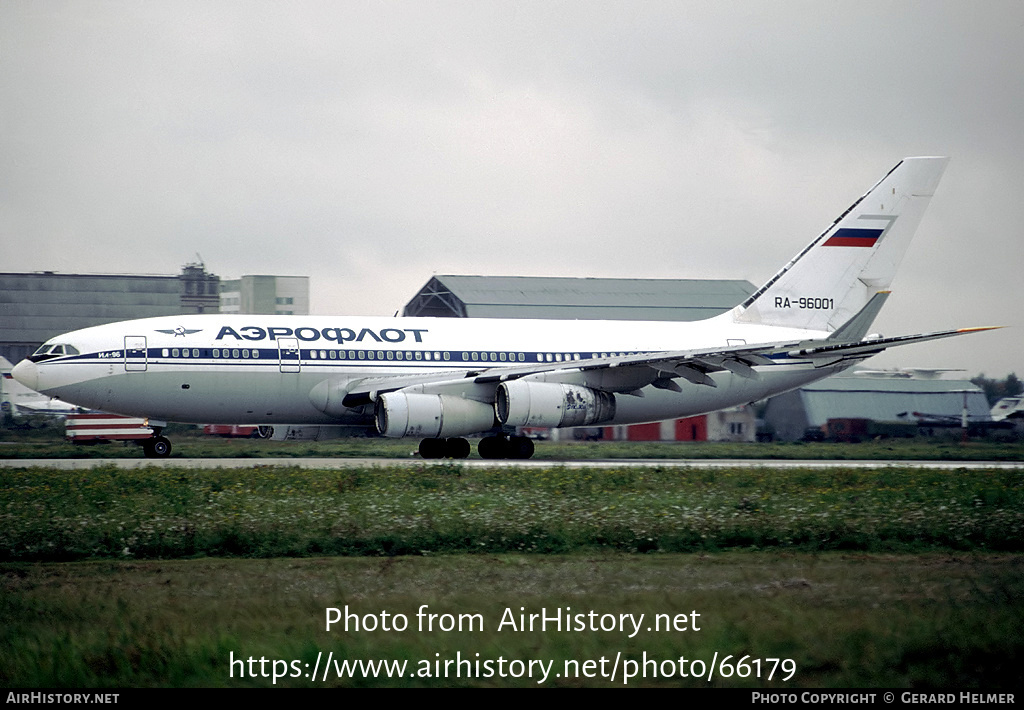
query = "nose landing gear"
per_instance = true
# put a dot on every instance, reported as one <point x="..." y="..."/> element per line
<point x="159" y="447"/>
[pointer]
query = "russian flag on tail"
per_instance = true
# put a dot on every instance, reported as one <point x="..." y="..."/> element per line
<point x="851" y="237"/>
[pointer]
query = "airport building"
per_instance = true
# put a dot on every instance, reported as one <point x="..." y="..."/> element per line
<point x="34" y="307"/>
<point x="735" y="424"/>
<point x="266" y="295"/>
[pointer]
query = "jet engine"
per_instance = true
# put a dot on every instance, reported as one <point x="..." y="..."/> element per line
<point x="401" y="414"/>
<point x="552" y="404"/>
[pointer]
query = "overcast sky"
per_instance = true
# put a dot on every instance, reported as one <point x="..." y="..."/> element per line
<point x="370" y="145"/>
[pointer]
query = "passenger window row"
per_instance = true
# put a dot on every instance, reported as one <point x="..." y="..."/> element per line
<point x="402" y="355"/>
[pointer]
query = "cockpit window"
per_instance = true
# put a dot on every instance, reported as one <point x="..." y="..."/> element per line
<point x="52" y="350"/>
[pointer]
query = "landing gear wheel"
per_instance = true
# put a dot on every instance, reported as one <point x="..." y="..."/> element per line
<point x="501" y="447"/>
<point x="520" y="447"/>
<point x="159" y="447"/>
<point x="432" y="448"/>
<point x="454" y="448"/>
<point x="492" y="447"/>
<point x="457" y="448"/>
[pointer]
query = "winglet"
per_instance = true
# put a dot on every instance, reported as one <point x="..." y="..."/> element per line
<point x="857" y="327"/>
<point x="978" y="329"/>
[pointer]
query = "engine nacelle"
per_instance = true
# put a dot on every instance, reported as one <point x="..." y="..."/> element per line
<point x="552" y="404"/>
<point x="328" y="397"/>
<point x="399" y="414"/>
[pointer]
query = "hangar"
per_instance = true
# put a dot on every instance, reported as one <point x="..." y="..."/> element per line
<point x="453" y="296"/>
<point x="916" y="399"/>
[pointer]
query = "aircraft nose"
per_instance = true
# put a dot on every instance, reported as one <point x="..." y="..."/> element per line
<point x="27" y="374"/>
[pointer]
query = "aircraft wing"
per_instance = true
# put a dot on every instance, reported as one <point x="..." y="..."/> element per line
<point x="872" y="346"/>
<point x="697" y="366"/>
<point x="627" y="373"/>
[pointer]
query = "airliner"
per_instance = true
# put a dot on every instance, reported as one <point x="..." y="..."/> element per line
<point x="443" y="379"/>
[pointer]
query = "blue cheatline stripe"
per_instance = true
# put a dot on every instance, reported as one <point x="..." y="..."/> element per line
<point x="853" y="237"/>
<point x="269" y="359"/>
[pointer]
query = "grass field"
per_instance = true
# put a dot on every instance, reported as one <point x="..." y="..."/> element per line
<point x="445" y="508"/>
<point x="160" y="576"/>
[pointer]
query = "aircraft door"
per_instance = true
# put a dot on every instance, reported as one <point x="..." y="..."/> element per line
<point x="289" y="352"/>
<point x="135" y="353"/>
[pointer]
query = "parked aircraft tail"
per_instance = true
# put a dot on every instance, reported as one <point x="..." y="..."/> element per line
<point x="835" y="277"/>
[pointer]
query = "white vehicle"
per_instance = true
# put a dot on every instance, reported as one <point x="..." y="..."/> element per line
<point x="1008" y="407"/>
<point x="441" y="379"/>
<point x="19" y="401"/>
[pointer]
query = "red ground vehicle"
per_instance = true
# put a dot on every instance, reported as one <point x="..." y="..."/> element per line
<point x="231" y="430"/>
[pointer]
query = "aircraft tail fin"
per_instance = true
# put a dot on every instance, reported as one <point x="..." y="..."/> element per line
<point x="834" y="278"/>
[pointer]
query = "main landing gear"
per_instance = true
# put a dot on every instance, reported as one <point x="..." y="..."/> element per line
<point x="490" y="447"/>
<point x="505" y="447"/>
<point x="455" y="448"/>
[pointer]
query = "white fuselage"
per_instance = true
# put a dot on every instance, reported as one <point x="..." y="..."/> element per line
<point x="252" y="369"/>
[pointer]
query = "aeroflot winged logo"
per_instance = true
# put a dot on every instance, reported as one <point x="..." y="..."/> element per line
<point x="180" y="330"/>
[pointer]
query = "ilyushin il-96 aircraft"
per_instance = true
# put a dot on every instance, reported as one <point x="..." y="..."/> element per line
<point x="442" y="379"/>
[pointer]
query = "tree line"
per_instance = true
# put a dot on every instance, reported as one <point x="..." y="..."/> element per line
<point x="995" y="390"/>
